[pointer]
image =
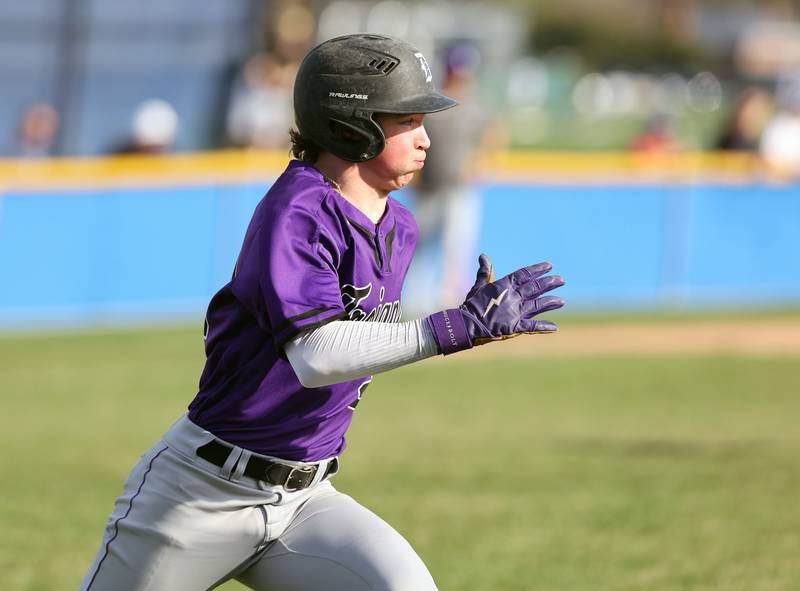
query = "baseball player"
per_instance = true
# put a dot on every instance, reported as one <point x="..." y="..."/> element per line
<point x="239" y="487"/>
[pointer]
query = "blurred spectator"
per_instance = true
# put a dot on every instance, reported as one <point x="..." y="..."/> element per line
<point x="447" y="203"/>
<point x="780" y="143"/>
<point x="657" y="136"/>
<point x="261" y="111"/>
<point x="37" y="131"/>
<point x="153" y="129"/>
<point x="747" y="121"/>
<point x="292" y="30"/>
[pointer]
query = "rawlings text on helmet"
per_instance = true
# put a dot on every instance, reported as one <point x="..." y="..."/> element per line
<point x="348" y="95"/>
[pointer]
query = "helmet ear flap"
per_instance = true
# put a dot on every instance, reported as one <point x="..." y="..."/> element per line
<point x="357" y="141"/>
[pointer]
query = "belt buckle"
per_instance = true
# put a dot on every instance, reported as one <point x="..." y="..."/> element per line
<point x="299" y="477"/>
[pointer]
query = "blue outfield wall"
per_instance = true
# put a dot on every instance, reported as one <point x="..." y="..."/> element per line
<point x="651" y="246"/>
<point x="118" y="256"/>
<point x="114" y="256"/>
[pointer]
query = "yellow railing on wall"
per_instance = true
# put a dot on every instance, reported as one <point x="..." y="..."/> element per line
<point x="237" y="166"/>
<point x="622" y="167"/>
<point x="203" y="168"/>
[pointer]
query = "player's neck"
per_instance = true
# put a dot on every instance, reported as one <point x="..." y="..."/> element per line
<point x="346" y="178"/>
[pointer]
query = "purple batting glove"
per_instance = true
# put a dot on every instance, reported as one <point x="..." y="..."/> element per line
<point x="497" y="310"/>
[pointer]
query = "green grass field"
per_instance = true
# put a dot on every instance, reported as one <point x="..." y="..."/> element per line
<point x="569" y="474"/>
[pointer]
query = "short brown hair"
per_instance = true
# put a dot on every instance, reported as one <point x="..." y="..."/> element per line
<point x="303" y="148"/>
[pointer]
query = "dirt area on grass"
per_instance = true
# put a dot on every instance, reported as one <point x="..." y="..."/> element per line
<point x="760" y="336"/>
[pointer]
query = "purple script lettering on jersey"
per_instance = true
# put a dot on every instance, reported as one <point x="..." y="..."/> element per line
<point x="353" y="296"/>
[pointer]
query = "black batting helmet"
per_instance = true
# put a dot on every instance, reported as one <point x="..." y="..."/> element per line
<point x="343" y="82"/>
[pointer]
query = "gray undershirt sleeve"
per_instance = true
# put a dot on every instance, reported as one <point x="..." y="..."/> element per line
<point x="345" y="350"/>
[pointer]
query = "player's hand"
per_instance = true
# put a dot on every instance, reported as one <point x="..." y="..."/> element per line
<point x="502" y="309"/>
<point x="497" y="310"/>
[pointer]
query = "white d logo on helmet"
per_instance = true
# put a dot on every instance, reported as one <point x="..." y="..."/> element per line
<point x="424" y="65"/>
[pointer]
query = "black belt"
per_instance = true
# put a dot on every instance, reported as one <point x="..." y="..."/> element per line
<point x="291" y="478"/>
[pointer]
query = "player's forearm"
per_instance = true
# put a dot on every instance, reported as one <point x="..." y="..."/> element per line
<point x="345" y="350"/>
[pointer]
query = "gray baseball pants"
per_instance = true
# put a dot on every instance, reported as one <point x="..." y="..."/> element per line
<point x="184" y="524"/>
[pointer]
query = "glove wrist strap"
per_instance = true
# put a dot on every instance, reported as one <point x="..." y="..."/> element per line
<point x="450" y="331"/>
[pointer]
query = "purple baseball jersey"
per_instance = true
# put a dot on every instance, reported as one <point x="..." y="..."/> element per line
<point x="309" y="257"/>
